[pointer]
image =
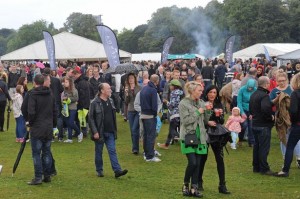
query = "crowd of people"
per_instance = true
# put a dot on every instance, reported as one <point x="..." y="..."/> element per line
<point x="189" y="94"/>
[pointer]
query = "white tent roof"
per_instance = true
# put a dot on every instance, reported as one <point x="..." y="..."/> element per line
<point x="291" y="55"/>
<point x="154" y="56"/>
<point x="274" y="49"/>
<point x="67" y="46"/>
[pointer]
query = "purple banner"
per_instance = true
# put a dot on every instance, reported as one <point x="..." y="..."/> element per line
<point x="229" y="48"/>
<point x="166" y="48"/>
<point x="110" y="44"/>
<point x="50" y="49"/>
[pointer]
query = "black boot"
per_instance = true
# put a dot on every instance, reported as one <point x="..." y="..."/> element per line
<point x="195" y="192"/>
<point x="223" y="189"/>
<point x="200" y="186"/>
<point x="185" y="189"/>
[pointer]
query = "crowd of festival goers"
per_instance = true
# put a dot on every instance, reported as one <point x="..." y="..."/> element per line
<point x="192" y="96"/>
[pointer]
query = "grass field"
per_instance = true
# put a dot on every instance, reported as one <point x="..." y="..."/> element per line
<point x="77" y="177"/>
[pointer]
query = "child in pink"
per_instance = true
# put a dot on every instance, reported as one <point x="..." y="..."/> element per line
<point x="234" y="125"/>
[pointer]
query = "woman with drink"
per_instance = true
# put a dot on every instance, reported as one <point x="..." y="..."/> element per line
<point x="213" y="102"/>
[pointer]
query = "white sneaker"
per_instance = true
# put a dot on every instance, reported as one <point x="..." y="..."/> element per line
<point x="80" y="137"/>
<point x="156" y="153"/>
<point x="232" y="146"/>
<point x="155" y="159"/>
<point x="68" y="141"/>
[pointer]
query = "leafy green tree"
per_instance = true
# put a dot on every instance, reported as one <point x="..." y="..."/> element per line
<point x="83" y="25"/>
<point x="2" y="45"/>
<point x="293" y="7"/>
<point x="5" y="35"/>
<point x="129" y="39"/>
<point x="29" y="34"/>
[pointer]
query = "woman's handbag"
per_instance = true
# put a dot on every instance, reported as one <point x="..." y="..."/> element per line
<point x="219" y="134"/>
<point x="191" y="140"/>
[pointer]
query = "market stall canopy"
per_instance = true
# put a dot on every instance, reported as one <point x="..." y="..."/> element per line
<point x="274" y="49"/>
<point x="67" y="47"/>
<point x="291" y="55"/>
<point x="185" y="56"/>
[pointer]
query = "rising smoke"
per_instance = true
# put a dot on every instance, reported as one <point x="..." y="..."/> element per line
<point x="209" y="39"/>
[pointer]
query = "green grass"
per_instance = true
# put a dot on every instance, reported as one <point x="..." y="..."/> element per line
<point x="77" y="177"/>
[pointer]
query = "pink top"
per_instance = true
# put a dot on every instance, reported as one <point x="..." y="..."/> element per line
<point x="234" y="123"/>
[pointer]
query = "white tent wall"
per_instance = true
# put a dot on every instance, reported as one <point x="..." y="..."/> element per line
<point x="274" y="49"/>
<point x="291" y="55"/>
<point x="67" y="47"/>
<point x="155" y="56"/>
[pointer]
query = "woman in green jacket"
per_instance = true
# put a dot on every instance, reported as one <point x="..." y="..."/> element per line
<point x="193" y="118"/>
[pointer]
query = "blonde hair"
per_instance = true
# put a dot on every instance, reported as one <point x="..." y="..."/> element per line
<point x="190" y="87"/>
<point x="295" y="81"/>
<point x="281" y="73"/>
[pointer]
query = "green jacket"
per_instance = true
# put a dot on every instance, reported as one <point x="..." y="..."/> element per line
<point x="190" y="118"/>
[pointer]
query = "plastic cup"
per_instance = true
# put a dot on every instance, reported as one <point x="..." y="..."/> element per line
<point x="217" y="112"/>
<point x="207" y="106"/>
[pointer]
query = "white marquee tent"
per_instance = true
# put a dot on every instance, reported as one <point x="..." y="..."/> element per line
<point x="154" y="56"/>
<point x="67" y="47"/>
<point x="291" y="55"/>
<point x="274" y="49"/>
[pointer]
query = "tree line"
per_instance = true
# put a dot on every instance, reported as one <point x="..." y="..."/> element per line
<point x="198" y="30"/>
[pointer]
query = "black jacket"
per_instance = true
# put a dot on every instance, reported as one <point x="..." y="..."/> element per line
<point x="207" y="72"/>
<point x="3" y="91"/>
<point x="83" y="87"/>
<point x="295" y="107"/>
<point x="95" y="85"/>
<point x="39" y="110"/>
<point x="260" y="107"/>
<point x="56" y="88"/>
<point x="13" y="79"/>
<point x="96" y="117"/>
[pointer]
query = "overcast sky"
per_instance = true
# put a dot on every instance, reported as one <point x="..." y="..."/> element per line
<point x="116" y="14"/>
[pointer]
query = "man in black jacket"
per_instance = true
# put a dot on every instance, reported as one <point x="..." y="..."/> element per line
<point x="103" y="125"/>
<point x="260" y="108"/>
<point x="56" y="89"/>
<point x="40" y="112"/>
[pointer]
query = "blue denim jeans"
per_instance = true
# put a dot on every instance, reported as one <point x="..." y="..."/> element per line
<point x="70" y="121"/>
<point x="149" y="136"/>
<point x="283" y="147"/>
<point x="262" y="136"/>
<point x="247" y="127"/>
<point x="109" y="141"/>
<point x="133" y="117"/>
<point x="20" y="127"/>
<point x="292" y="142"/>
<point x="42" y="157"/>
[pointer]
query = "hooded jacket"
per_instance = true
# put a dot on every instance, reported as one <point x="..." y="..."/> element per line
<point x="39" y="109"/>
<point x="244" y="95"/>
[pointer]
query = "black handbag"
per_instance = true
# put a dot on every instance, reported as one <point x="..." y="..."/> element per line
<point x="191" y="140"/>
<point x="219" y="134"/>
